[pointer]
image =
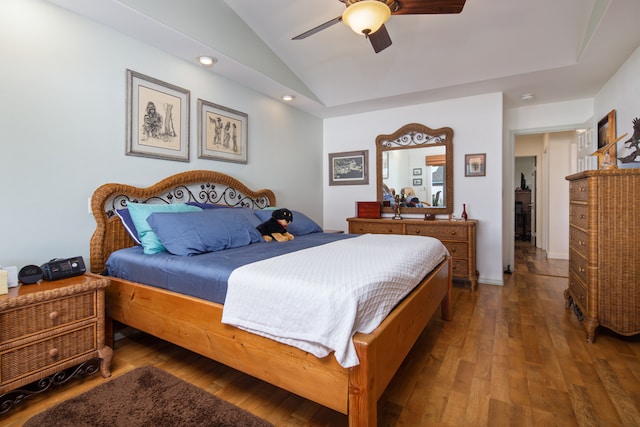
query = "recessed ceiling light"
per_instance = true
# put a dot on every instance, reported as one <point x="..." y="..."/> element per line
<point x="207" y="61"/>
<point x="526" y="96"/>
<point x="287" y="97"/>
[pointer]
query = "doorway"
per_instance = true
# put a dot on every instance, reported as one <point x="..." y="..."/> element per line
<point x="525" y="174"/>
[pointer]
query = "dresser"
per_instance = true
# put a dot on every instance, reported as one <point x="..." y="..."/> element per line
<point x="604" y="243"/>
<point x="458" y="236"/>
<point x="49" y="327"/>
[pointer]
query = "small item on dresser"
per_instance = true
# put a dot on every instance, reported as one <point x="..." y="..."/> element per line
<point x="61" y="268"/>
<point x="3" y="282"/>
<point x="368" y="209"/>
<point x="12" y="276"/>
<point x="464" y="212"/>
<point x="429" y="217"/>
<point x="30" y="274"/>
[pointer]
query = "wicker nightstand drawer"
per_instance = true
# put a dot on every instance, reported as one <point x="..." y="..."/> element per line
<point x="40" y="355"/>
<point x="40" y="317"/>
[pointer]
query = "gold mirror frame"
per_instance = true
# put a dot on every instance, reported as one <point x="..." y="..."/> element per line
<point x="411" y="136"/>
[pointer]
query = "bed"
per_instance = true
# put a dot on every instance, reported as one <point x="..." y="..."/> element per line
<point x="196" y="324"/>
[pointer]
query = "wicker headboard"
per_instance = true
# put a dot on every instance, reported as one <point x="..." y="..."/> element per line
<point x="193" y="186"/>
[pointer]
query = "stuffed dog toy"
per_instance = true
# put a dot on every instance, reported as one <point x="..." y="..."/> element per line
<point x="275" y="228"/>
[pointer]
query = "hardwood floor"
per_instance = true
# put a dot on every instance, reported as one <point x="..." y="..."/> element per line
<point x="512" y="356"/>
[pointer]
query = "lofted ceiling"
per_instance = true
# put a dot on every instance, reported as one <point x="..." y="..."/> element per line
<point x="555" y="50"/>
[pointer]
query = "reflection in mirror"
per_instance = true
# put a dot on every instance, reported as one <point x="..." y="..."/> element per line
<point x="415" y="164"/>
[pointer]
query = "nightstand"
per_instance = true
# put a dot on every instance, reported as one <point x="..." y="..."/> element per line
<point x="48" y="328"/>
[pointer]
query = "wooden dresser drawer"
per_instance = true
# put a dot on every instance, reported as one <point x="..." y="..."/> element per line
<point x="579" y="190"/>
<point x="27" y="359"/>
<point x="440" y="232"/>
<point x="578" y="241"/>
<point x="388" y="227"/>
<point x="457" y="249"/>
<point x="40" y="317"/>
<point x="460" y="267"/>
<point x="579" y="215"/>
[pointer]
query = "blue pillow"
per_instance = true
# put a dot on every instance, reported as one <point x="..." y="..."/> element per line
<point x="207" y="231"/>
<point x="300" y="225"/>
<point x="207" y="205"/>
<point x="127" y="222"/>
<point x="140" y="212"/>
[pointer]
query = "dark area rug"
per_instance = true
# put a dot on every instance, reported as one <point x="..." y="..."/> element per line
<point x="146" y="396"/>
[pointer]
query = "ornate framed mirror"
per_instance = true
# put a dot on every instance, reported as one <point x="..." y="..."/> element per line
<point x="416" y="162"/>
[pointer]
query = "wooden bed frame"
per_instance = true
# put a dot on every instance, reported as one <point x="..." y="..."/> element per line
<point x="195" y="324"/>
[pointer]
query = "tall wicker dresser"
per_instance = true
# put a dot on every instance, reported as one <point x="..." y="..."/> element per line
<point x="604" y="248"/>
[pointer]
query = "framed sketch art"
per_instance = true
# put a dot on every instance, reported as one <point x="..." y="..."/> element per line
<point x="157" y="118"/>
<point x="222" y="133"/>
<point x="349" y="168"/>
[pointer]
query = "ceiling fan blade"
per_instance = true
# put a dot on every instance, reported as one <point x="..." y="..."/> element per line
<point x="380" y="40"/>
<point x="318" y="28"/>
<point x="425" y="7"/>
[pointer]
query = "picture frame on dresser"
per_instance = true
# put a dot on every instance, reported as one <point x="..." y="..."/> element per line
<point x="607" y="133"/>
<point x="222" y="133"/>
<point x="157" y="121"/>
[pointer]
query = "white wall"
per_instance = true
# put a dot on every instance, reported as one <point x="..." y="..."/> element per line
<point x="62" y="109"/>
<point x="559" y="161"/>
<point x="477" y="125"/>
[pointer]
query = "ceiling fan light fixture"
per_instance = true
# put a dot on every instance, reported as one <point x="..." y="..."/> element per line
<point x="366" y="16"/>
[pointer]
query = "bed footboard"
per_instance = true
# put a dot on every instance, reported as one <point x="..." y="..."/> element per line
<point x="382" y="352"/>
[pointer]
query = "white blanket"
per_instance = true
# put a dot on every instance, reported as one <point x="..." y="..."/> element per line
<point x="316" y="299"/>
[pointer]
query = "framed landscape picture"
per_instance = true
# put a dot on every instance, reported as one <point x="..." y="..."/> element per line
<point x="349" y="168"/>
<point x="157" y="119"/>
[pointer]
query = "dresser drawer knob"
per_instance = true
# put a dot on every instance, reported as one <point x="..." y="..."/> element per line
<point x="453" y="251"/>
<point x="453" y="233"/>
<point x="583" y="216"/>
<point x="54" y="315"/>
<point x="582" y="243"/>
<point x="53" y="352"/>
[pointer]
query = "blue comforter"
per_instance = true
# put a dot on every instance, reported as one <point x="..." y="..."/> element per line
<point x="203" y="276"/>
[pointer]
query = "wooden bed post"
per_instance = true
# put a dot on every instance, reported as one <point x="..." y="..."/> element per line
<point x="363" y="400"/>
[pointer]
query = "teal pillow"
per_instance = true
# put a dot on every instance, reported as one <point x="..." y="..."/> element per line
<point x="140" y="212"/>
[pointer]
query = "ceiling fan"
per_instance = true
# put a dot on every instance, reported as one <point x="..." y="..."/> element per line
<point x="368" y="16"/>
